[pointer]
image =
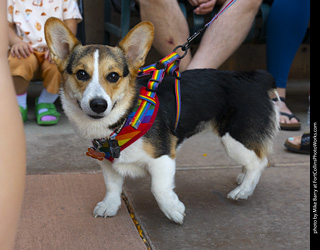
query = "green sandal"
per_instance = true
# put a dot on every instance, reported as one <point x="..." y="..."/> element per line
<point x="52" y="111"/>
<point x="24" y="113"/>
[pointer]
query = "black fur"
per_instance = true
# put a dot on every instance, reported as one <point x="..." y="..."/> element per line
<point x="235" y="102"/>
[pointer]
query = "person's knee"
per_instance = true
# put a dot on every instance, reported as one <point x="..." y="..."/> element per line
<point x="23" y="67"/>
<point x="146" y="3"/>
<point x="253" y="5"/>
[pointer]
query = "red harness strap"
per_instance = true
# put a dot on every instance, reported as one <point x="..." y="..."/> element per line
<point x="127" y="135"/>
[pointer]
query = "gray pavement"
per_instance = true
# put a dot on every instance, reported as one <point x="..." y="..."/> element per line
<point x="275" y="217"/>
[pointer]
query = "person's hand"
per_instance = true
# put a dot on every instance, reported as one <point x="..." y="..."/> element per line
<point x="48" y="57"/>
<point x="21" y="49"/>
<point x="202" y="7"/>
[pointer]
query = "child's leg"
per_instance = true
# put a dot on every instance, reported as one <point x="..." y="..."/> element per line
<point x="22" y="71"/>
<point x="21" y="86"/>
<point x="51" y="83"/>
<point x="46" y="97"/>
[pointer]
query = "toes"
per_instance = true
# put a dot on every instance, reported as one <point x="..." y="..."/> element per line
<point x="240" y="178"/>
<point x="103" y="209"/>
<point x="239" y="194"/>
<point x="175" y="213"/>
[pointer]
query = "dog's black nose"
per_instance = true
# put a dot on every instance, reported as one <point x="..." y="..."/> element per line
<point x="98" y="105"/>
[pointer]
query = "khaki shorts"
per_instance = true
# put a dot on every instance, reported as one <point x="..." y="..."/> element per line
<point x="35" y="67"/>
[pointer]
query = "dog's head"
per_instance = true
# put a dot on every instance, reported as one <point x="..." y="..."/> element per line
<point x="98" y="81"/>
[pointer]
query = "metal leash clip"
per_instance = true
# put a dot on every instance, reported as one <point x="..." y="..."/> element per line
<point x="98" y="143"/>
<point x="186" y="46"/>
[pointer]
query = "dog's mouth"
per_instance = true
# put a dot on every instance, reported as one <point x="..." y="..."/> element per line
<point x="96" y="117"/>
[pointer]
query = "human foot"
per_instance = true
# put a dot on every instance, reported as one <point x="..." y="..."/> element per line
<point x="299" y="144"/>
<point x="288" y="121"/>
<point x="46" y="113"/>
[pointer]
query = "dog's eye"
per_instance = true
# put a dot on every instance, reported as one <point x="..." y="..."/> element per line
<point x="113" y="77"/>
<point x="82" y="75"/>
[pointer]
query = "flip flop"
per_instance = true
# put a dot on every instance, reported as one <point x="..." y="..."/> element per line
<point x="303" y="148"/>
<point x="52" y="111"/>
<point x="288" y="126"/>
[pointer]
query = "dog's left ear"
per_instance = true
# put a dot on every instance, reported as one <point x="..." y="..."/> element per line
<point x="137" y="43"/>
<point x="60" y="40"/>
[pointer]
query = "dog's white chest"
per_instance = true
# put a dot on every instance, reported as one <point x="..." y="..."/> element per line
<point x="132" y="161"/>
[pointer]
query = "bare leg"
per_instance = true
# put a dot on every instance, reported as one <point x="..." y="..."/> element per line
<point x="283" y="107"/>
<point x="21" y="85"/>
<point x="171" y="27"/>
<point x="225" y="35"/>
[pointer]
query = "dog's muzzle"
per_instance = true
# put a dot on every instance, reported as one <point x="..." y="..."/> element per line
<point x="98" y="105"/>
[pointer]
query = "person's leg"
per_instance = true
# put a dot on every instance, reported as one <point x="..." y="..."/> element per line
<point x="225" y="35"/>
<point x="22" y="71"/>
<point x="171" y="27"/>
<point x="51" y="84"/>
<point x="286" y="28"/>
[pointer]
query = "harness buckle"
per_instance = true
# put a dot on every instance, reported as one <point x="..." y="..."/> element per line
<point x="114" y="148"/>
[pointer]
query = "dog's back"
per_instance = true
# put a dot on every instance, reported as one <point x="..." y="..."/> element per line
<point x="237" y="103"/>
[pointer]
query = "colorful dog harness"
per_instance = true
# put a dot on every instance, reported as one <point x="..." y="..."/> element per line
<point x="145" y="112"/>
<point x="109" y="148"/>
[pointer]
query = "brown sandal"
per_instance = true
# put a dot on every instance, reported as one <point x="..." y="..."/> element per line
<point x="302" y="148"/>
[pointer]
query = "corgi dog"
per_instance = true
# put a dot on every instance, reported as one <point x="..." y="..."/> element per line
<point x="100" y="88"/>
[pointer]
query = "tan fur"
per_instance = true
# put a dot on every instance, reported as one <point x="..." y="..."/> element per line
<point x="66" y="43"/>
<point x="173" y="148"/>
<point x="136" y="57"/>
<point x="149" y="148"/>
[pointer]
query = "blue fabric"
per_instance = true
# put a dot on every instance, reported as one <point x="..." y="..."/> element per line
<point x="286" y="27"/>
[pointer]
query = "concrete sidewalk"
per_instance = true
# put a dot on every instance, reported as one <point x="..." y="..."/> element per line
<point x="275" y="217"/>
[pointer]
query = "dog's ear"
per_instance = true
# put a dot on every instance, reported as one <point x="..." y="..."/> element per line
<point x="60" y="39"/>
<point x="137" y="43"/>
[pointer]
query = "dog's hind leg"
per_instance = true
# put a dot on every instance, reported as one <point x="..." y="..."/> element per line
<point x="162" y="171"/>
<point x="251" y="170"/>
<point x="112" y="200"/>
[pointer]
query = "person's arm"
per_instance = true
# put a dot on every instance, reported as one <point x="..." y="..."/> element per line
<point x="72" y="24"/>
<point x="12" y="146"/>
<point x="18" y="47"/>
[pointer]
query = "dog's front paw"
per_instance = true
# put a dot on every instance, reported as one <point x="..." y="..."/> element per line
<point x="240" y="178"/>
<point x="173" y="208"/>
<point x="240" y="193"/>
<point x="107" y="208"/>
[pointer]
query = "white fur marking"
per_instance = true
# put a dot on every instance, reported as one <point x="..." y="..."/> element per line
<point x="95" y="90"/>
<point x="162" y="171"/>
<point x="252" y="167"/>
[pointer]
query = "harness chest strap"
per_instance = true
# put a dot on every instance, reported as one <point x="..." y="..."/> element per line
<point x="143" y="115"/>
<point x="127" y="135"/>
